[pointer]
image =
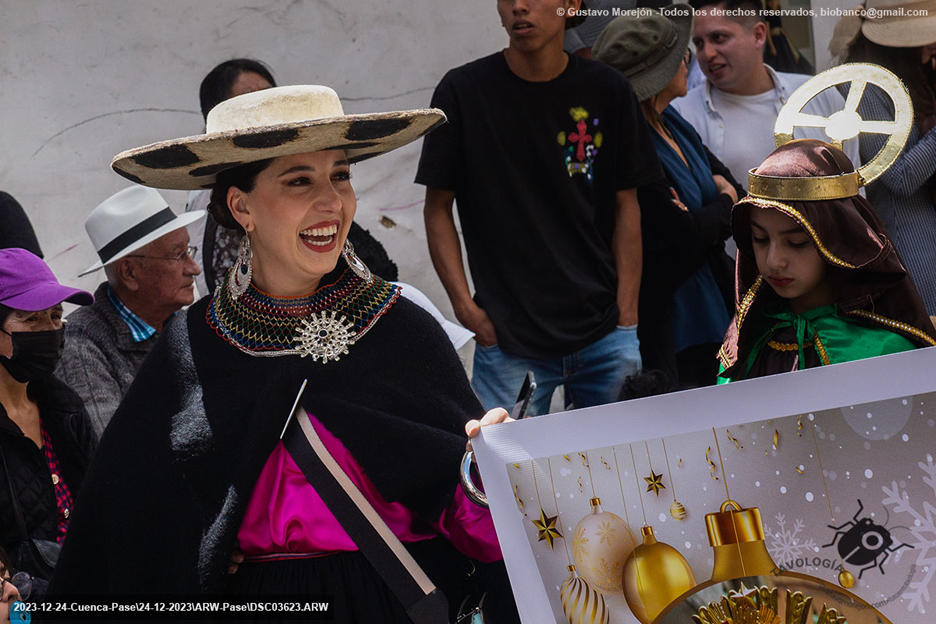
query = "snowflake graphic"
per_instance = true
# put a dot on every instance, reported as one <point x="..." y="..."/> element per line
<point x="607" y="576"/>
<point x="579" y="544"/>
<point x="923" y="528"/>
<point x="606" y="533"/>
<point x="786" y="545"/>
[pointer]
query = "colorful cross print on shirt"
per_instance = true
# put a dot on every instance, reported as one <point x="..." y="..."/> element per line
<point x="580" y="146"/>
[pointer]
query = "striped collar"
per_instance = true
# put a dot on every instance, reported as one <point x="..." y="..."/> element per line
<point x="139" y="330"/>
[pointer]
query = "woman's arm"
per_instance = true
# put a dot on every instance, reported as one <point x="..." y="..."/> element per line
<point x="913" y="167"/>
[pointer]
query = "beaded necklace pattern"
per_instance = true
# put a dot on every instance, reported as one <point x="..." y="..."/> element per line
<point x="323" y="324"/>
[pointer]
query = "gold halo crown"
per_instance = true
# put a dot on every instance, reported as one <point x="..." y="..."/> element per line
<point x="841" y="126"/>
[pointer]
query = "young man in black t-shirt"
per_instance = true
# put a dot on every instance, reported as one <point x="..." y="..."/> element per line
<point x="543" y="152"/>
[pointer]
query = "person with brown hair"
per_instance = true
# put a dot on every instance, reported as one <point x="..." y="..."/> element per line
<point x="905" y="195"/>
<point x="686" y="289"/>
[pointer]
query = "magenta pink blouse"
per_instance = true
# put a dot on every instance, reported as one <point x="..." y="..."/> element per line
<point x="286" y="514"/>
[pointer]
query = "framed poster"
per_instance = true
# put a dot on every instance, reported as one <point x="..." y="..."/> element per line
<point x="835" y="464"/>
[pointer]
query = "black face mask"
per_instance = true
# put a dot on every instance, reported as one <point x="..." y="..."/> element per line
<point x="35" y="354"/>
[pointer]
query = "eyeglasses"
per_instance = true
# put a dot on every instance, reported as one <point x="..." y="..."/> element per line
<point x="188" y="253"/>
<point x="21" y="581"/>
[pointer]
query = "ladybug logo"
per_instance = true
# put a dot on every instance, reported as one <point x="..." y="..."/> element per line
<point x="863" y="542"/>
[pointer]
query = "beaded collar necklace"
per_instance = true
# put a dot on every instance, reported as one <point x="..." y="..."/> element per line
<point x="323" y="324"/>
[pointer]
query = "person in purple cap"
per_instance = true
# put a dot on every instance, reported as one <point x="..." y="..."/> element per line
<point x="46" y="438"/>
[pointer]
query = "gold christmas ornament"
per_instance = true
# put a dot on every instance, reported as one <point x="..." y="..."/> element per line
<point x="655" y="574"/>
<point x="737" y="537"/>
<point x="677" y="511"/>
<point x="580" y="603"/>
<point x="600" y="545"/>
<point x="846" y="579"/>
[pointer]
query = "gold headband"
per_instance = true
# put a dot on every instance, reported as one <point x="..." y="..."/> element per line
<point x="804" y="189"/>
<point x="843" y="125"/>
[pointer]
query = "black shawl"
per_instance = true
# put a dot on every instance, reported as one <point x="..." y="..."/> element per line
<point x="166" y="493"/>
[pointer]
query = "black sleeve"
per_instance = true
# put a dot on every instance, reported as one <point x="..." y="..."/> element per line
<point x="15" y="228"/>
<point x="442" y="158"/>
<point x="719" y="168"/>
<point x="665" y="225"/>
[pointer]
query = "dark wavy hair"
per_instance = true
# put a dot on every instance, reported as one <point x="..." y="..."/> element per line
<point x="243" y="177"/>
<point x="216" y="87"/>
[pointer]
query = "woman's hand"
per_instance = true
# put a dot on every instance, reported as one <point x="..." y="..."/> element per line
<point x="724" y="186"/>
<point x="676" y="201"/>
<point x="496" y="415"/>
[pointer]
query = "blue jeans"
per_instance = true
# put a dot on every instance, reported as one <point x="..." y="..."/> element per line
<point x="592" y="376"/>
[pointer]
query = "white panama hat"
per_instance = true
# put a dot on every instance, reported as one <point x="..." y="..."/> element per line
<point x="128" y="220"/>
<point x="266" y="124"/>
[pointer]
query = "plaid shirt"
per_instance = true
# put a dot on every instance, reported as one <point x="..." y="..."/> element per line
<point x="138" y="327"/>
<point x="63" y="497"/>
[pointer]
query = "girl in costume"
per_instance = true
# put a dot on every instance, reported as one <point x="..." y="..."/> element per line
<point x="193" y="457"/>
<point x="818" y="281"/>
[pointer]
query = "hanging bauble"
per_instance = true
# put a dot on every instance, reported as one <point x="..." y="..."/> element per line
<point x="737" y="537"/>
<point x="677" y="511"/>
<point x="846" y="579"/>
<point x="741" y="558"/>
<point x="580" y="603"/>
<point x="600" y="545"/>
<point x="655" y="574"/>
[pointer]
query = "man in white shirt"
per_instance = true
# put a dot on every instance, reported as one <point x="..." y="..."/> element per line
<point x="735" y="109"/>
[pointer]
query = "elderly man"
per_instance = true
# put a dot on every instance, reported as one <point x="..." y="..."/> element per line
<point x="144" y="250"/>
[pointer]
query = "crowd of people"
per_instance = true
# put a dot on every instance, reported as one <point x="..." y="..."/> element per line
<point x="616" y="223"/>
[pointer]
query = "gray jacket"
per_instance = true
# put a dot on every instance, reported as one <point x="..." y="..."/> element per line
<point x="100" y="359"/>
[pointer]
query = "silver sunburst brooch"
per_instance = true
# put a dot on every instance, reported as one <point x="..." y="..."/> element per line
<point x="324" y="337"/>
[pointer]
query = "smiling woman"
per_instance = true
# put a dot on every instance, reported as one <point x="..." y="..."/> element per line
<point x="386" y="392"/>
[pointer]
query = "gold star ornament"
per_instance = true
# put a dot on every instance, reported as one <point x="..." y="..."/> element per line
<point x="654" y="483"/>
<point x="546" y="527"/>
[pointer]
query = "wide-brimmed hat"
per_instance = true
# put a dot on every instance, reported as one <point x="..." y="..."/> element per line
<point x="27" y="283"/>
<point x="267" y="124"/>
<point x="647" y="48"/>
<point x="130" y="219"/>
<point x="887" y="23"/>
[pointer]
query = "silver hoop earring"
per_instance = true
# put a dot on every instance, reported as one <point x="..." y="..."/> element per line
<point x="242" y="270"/>
<point x="360" y="269"/>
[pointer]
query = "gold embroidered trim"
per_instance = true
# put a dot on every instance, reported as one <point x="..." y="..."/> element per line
<point x="748" y="299"/>
<point x="883" y="320"/>
<point x="801" y="220"/>
<point x="786" y="346"/>
<point x="723" y="357"/>
<point x="820" y="348"/>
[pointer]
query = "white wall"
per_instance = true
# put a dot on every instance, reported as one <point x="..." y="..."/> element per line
<point x="82" y="81"/>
